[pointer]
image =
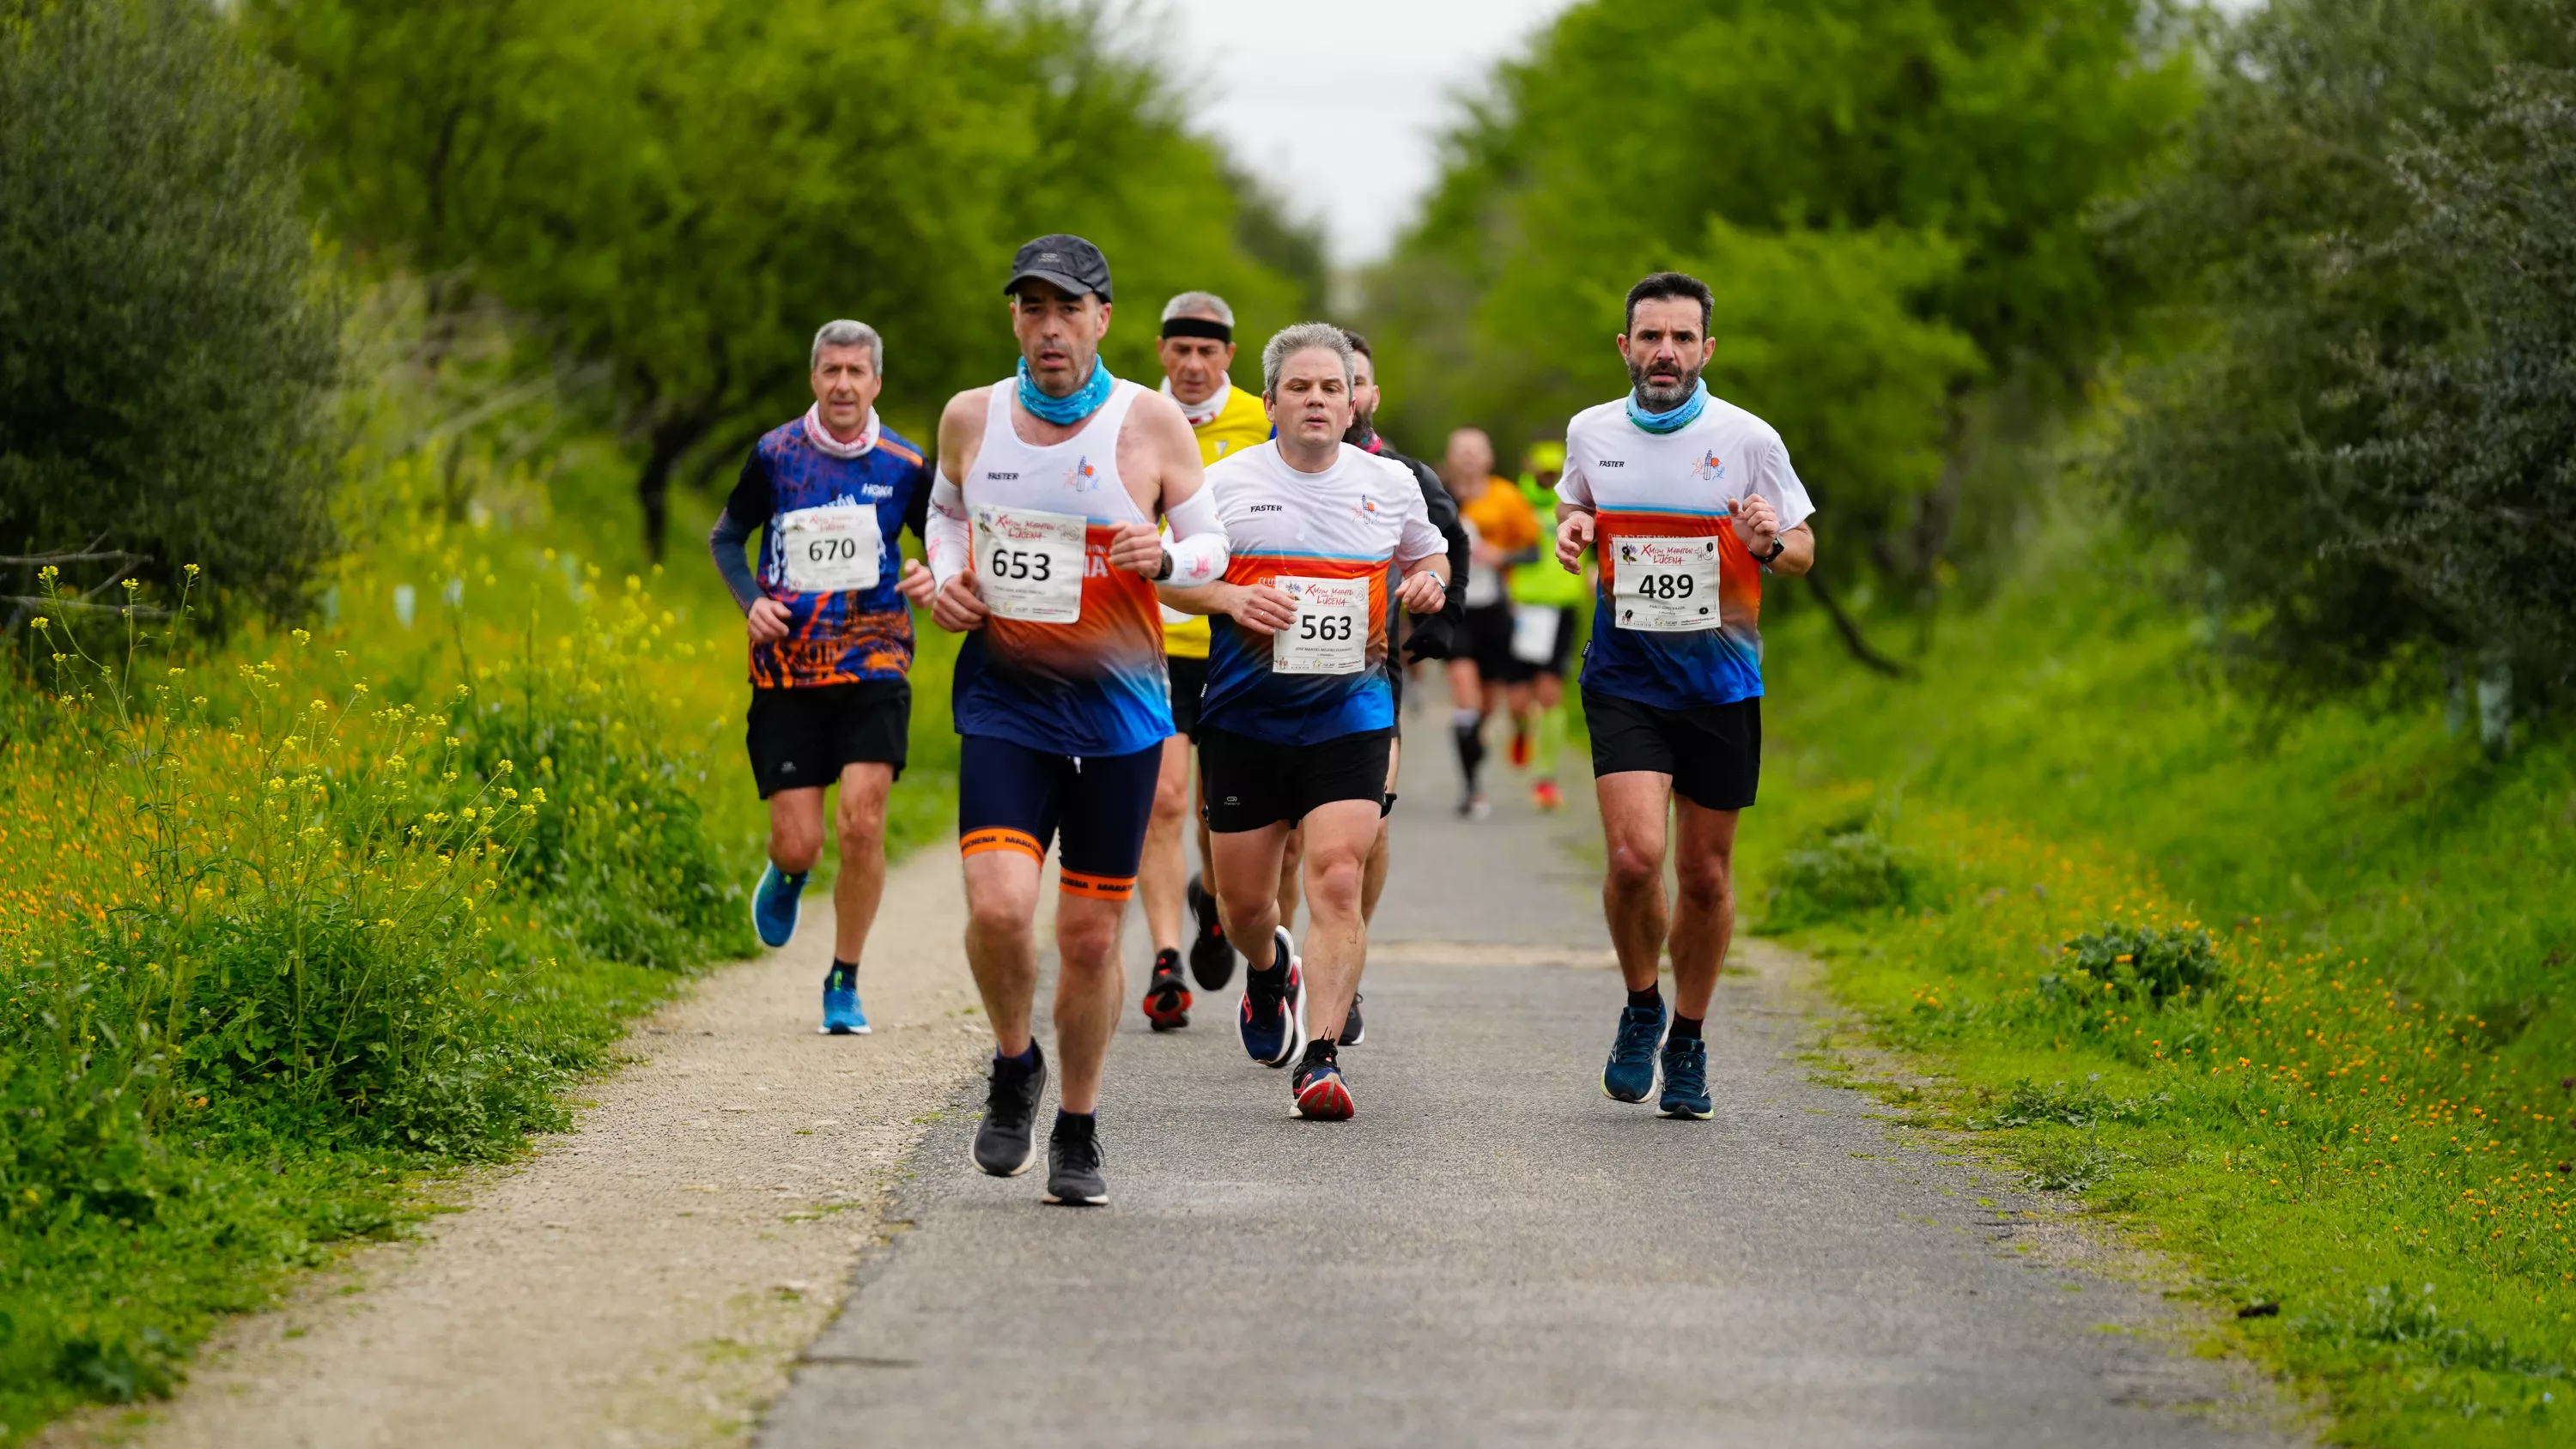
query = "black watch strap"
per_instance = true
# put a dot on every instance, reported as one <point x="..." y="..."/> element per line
<point x="1779" y="546"/>
<point x="1164" y="574"/>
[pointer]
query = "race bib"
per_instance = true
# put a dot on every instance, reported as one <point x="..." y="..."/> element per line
<point x="1534" y="632"/>
<point x="1330" y="635"/>
<point x="1028" y="565"/>
<point x="1666" y="585"/>
<point x="829" y="550"/>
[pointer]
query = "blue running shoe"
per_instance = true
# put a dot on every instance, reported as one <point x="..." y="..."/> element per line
<point x="1686" y="1080"/>
<point x="1273" y="1023"/>
<point x="1631" y="1073"/>
<point x="841" y="1013"/>
<point x="774" y="905"/>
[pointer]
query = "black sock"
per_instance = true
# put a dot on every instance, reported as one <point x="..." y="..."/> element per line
<point x="1167" y="959"/>
<point x="1027" y="1058"/>
<point x="1273" y="977"/>
<point x="1685" y="1028"/>
<point x="1650" y="999"/>
<point x="845" y="971"/>
<point x="1321" y="1049"/>
<point x="1079" y="1121"/>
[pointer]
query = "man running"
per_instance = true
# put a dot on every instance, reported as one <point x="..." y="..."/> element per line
<point x="1685" y="500"/>
<point x="1044" y="548"/>
<point x="1484" y="673"/>
<point x="831" y="642"/>
<point x="1197" y="346"/>
<point x="1544" y="598"/>
<point x="1295" y="727"/>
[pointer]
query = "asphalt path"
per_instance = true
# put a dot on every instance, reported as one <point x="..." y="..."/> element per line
<point x="1492" y="1252"/>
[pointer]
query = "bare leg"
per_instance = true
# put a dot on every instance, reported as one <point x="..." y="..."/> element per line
<point x="1164" y="870"/>
<point x="1373" y="875"/>
<point x="1250" y="915"/>
<point x="860" y="824"/>
<point x="796" y="829"/>
<point x="1090" y="985"/>
<point x="1633" y="804"/>
<point x="1290" y="880"/>
<point x="1337" y="845"/>
<point x="1704" y="922"/>
<point x="1002" y="942"/>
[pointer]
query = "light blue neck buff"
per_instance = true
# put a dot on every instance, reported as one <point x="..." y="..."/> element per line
<point x="1671" y="422"/>
<point x="1066" y="411"/>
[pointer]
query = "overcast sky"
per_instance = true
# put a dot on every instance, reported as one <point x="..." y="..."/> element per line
<point x="1336" y="103"/>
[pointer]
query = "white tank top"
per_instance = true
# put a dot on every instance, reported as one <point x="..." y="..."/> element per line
<point x="1071" y="660"/>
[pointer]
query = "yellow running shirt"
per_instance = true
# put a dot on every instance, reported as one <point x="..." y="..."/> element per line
<point x="1240" y="422"/>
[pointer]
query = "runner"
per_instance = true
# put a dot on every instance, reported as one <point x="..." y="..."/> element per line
<point x="1295" y="728"/>
<point x="1506" y="533"/>
<point x="1544" y="598"/>
<point x="1043" y="546"/>
<point x="1429" y="637"/>
<point x="1686" y="500"/>
<point x="831" y="643"/>
<point x="1197" y="347"/>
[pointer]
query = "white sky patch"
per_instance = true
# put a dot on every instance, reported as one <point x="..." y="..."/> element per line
<point x="1338" y="104"/>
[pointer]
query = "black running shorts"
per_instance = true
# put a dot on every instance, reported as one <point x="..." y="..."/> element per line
<point x="1189" y="681"/>
<point x="1714" y="753"/>
<point x="1489" y="642"/>
<point x="1011" y="797"/>
<point x="801" y="735"/>
<point x="1252" y="783"/>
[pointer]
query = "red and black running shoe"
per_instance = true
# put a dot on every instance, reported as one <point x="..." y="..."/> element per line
<point x="1321" y="1094"/>
<point x="1167" y="996"/>
<point x="1211" y="954"/>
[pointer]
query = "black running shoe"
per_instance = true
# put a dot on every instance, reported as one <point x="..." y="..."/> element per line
<point x="1353" y="1030"/>
<point x="1073" y="1163"/>
<point x="1167" y="996"/>
<point x="1005" y="1142"/>
<point x="1211" y="955"/>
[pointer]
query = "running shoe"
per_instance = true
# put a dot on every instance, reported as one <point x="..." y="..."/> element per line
<point x="1686" y="1080"/>
<point x="1475" y="807"/>
<point x="1005" y="1140"/>
<point x="1073" y="1162"/>
<point x="1321" y="1094"/>
<point x="1353" y="1030"/>
<point x="1631" y="1073"/>
<point x="1167" y="996"/>
<point x="841" y="1013"/>
<point x="774" y="904"/>
<point x="1211" y="955"/>
<point x="1273" y="1024"/>
<point x="1520" y="748"/>
<point x="1544" y="795"/>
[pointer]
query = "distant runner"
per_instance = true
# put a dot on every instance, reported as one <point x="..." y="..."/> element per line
<point x="831" y="642"/>
<point x="1686" y="500"/>
<point x="1043" y="543"/>
<point x="1544" y="599"/>
<point x="1298" y="718"/>
<point x="1197" y="347"/>
<point x="1484" y="674"/>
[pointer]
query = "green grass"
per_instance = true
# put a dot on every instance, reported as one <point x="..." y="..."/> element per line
<point x="290" y="923"/>
<point x="2344" y="1096"/>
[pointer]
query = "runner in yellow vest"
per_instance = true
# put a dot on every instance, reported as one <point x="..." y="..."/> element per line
<point x="1545" y="600"/>
<point x="1197" y="347"/>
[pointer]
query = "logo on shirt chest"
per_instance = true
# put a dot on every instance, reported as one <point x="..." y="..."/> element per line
<point x="1710" y="468"/>
<point x="1082" y="477"/>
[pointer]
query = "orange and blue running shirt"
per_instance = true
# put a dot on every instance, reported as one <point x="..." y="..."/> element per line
<point x="1239" y="422"/>
<point x="1361" y="519"/>
<point x="833" y="637"/>
<point x="1092" y="686"/>
<point x="1644" y="487"/>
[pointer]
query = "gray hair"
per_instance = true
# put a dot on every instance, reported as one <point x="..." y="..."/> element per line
<point x="845" y="333"/>
<point x="1199" y="304"/>
<point x="1303" y="337"/>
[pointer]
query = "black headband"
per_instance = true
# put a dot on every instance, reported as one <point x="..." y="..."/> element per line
<point x="1197" y="327"/>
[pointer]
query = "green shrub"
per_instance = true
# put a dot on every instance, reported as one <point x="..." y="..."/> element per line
<point x="2137" y="962"/>
<point x="1842" y="870"/>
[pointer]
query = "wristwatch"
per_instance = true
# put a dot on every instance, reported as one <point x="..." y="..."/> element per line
<point x="1779" y="546"/>
<point x="1164" y="574"/>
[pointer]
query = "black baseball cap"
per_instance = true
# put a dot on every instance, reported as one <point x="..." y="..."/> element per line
<point x="1061" y="260"/>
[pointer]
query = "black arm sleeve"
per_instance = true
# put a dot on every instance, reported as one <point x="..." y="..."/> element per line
<point x="746" y="508"/>
<point x="1444" y="516"/>
<point x="916" y="512"/>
